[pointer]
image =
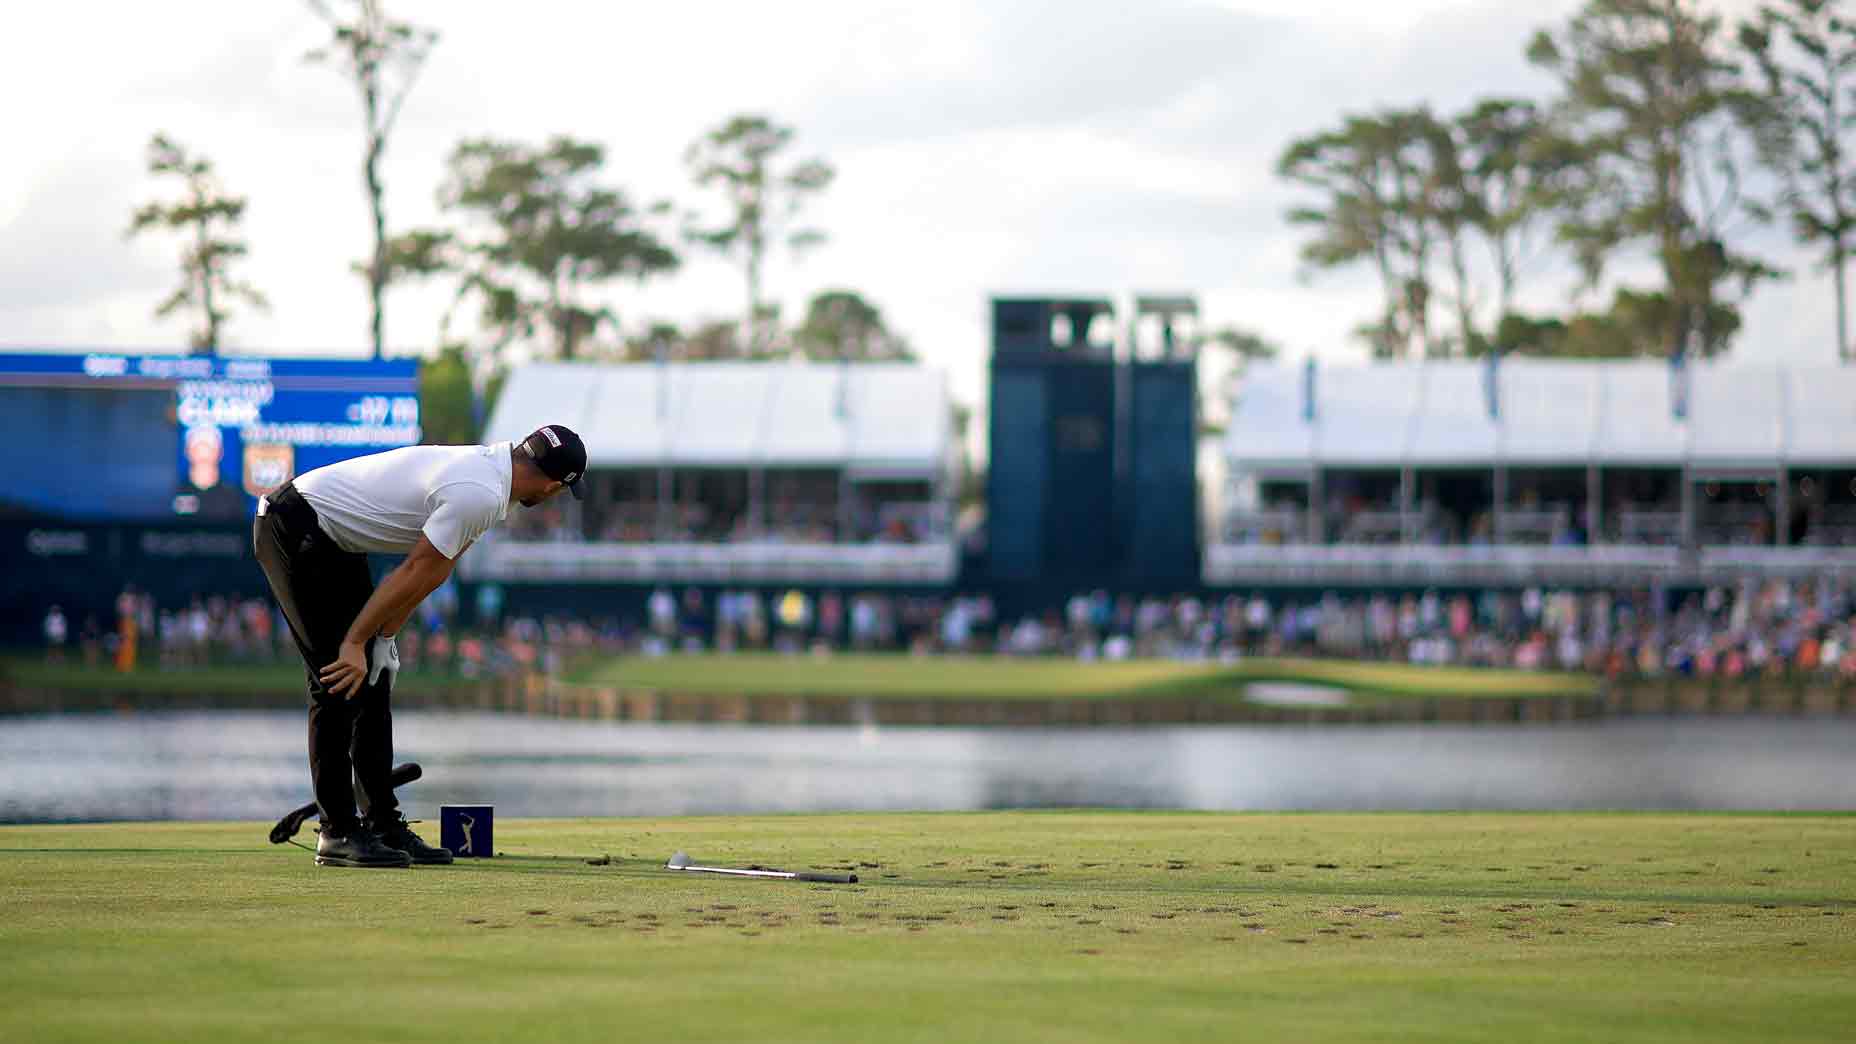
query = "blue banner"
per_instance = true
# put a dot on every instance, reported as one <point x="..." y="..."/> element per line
<point x="63" y="368"/>
<point x="240" y="426"/>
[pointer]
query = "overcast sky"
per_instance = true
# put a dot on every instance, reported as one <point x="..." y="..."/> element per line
<point x="1081" y="146"/>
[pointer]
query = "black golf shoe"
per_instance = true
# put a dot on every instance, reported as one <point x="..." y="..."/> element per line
<point x="358" y="848"/>
<point x="399" y="835"/>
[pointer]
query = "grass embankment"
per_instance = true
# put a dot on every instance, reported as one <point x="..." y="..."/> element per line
<point x="1007" y="926"/>
<point x="987" y="677"/>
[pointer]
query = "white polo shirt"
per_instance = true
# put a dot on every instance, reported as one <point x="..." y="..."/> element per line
<point x="383" y="502"/>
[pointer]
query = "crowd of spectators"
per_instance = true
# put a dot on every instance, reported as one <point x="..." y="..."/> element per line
<point x="229" y="630"/>
<point x="795" y="620"/>
<point x="1799" y="629"/>
<point x="1779" y="627"/>
<point x="1644" y="509"/>
<point x="806" y="515"/>
<point x="141" y="632"/>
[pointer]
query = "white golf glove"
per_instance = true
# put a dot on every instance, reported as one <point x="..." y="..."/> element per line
<point x="383" y="655"/>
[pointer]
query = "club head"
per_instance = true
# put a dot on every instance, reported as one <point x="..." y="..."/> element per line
<point x="678" y="861"/>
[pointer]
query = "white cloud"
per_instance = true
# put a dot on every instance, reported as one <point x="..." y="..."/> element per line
<point x="982" y="148"/>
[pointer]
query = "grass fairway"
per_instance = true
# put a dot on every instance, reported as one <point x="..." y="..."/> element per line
<point x="1002" y="926"/>
<point x="1006" y="678"/>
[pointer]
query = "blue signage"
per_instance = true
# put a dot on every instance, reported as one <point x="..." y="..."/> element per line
<point x="244" y="426"/>
<point x="40" y="368"/>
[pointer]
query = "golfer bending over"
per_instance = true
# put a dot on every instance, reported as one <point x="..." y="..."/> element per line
<point x="312" y="537"/>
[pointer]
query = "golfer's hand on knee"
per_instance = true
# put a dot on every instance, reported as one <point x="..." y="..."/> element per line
<point x="345" y="675"/>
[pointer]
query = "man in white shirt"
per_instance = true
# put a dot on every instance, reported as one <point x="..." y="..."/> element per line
<point x="312" y="537"/>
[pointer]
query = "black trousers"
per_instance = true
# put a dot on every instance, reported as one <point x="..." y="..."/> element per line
<point x="321" y="589"/>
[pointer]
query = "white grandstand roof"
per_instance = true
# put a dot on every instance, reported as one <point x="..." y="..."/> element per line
<point x="1821" y="423"/>
<point x="1450" y="421"/>
<point x="1276" y="435"/>
<point x="1637" y="423"/>
<point x="1737" y="416"/>
<point x="874" y="419"/>
<point x="1617" y="413"/>
<point x="1362" y="412"/>
<point x="1548" y="409"/>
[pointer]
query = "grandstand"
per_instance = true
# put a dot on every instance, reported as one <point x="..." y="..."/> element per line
<point x="733" y="477"/>
<point x="1537" y="472"/>
<point x="733" y="472"/>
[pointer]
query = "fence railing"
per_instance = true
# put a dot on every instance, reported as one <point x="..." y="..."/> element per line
<point x="767" y="562"/>
<point x="1509" y="564"/>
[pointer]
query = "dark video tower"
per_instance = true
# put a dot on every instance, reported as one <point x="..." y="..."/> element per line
<point x="1157" y="483"/>
<point x="1049" y="494"/>
<point x="1159" y="490"/>
<point x="1092" y="481"/>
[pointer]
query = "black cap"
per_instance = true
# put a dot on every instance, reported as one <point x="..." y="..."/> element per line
<point x="560" y="455"/>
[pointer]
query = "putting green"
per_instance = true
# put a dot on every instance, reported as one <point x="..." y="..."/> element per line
<point x="1003" y="926"/>
<point x="1004" y="677"/>
<point x="866" y="676"/>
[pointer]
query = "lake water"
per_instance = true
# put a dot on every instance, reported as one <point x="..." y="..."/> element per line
<point x="251" y="765"/>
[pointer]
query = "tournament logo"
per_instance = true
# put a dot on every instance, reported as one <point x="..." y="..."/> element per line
<point x="268" y="465"/>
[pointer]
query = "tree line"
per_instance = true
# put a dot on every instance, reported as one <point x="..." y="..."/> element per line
<point x="533" y="231"/>
<point x="1671" y="137"/>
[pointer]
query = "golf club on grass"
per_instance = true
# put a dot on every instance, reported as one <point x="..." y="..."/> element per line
<point x="287" y="827"/>
<point x="681" y="861"/>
